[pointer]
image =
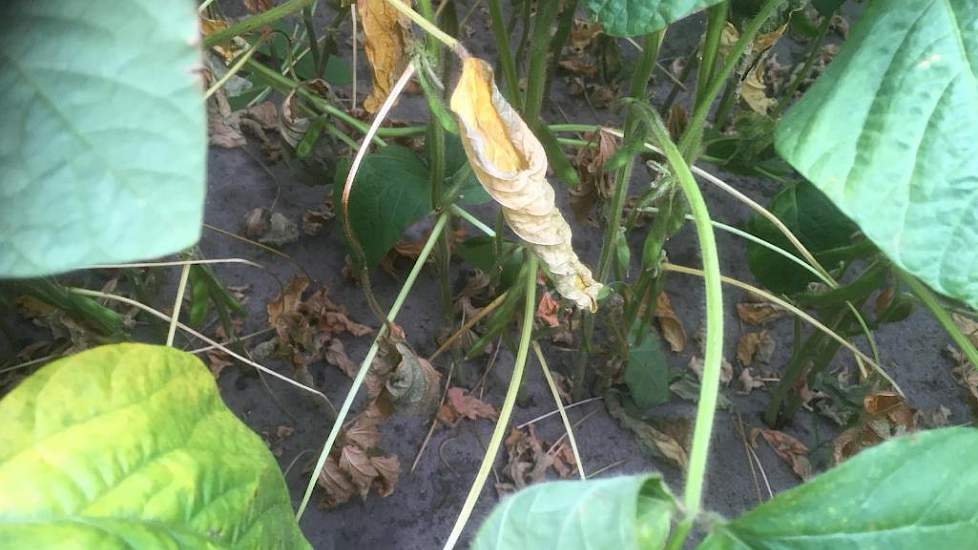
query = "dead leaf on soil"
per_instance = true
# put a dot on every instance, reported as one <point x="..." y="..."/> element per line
<point x="217" y="361"/>
<point x="747" y="381"/>
<point x="968" y="326"/>
<point x="670" y="325"/>
<point x="387" y="39"/>
<point x="547" y="310"/>
<point x="726" y="369"/>
<point x="755" y="345"/>
<point x="511" y="164"/>
<point x="654" y="441"/>
<point x="758" y="313"/>
<point x="886" y="415"/>
<point x="469" y="406"/>
<point x="527" y="460"/>
<point x="791" y="450"/>
<point x="315" y="219"/>
<point x="414" y="385"/>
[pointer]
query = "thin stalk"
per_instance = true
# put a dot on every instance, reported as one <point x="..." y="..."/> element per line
<point x="716" y="20"/>
<point x="177" y="303"/>
<point x="160" y="315"/>
<point x="505" y="54"/>
<point x="806" y="69"/>
<point x="536" y="77"/>
<point x="233" y="70"/>
<point x="425" y="24"/>
<point x="929" y="299"/>
<point x="353" y="21"/>
<point x="365" y="365"/>
<point x="692" y="135"/>
<point x="564" y="25"/>
<point x="311" y="34"/>
<point x="469" y="324"/>
<point x="507" y="408"/>
<point x="473" y="220"/>
<point x="560" y="407"/>
<point x="713" y="352"/>
<point x="177" y="263"/>
<point x="256" y="21"/>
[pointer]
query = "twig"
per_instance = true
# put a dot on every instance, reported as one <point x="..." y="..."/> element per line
<point x="469" y="324"/>
<point x="177" y="304"/>
<point x="553" y="412"/>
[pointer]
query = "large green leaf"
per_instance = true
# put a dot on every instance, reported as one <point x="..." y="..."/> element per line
<point x="817" y="223"/>
<point x="130" y="446"/>
<point x="636" y="17"/>
<point x="889" y="134"/>
<point x="392" y="190"/>
<point x="915" y="491"/>
<point x="103" y="147"/>
<point x="620" y="513"/>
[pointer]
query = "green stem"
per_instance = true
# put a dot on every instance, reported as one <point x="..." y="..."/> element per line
<point x="930" y="300"/>
<point x="365" y="365"/>
<point x="691" y="138"/>
<point x="529" y="307"/>
<point x="536" y="78"/>
<point x="564" y="25"/>
<point x="713" y="353"/>
<point x="256" y="21"/>
<point x="313" y="42"/>
<point x="505" y="54"/>
<point x="716" y="20"/>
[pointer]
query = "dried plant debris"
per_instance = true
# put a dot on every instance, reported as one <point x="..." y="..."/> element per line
<point x="511" y="165"/>
<point x="357" y="465"/>
<point x="655" y="441"/>
<point x="315" y="219"/>
<point x="307" y="328"/>
<point x="548" y="310"/>
<point x="460" y="404"/>
<point x="755" y="345"/>
<point x="387" y="37"/>
<point x="596" y="183"/>
<point x="669" y="324"/>
<point x="791" y="450"/>
<point x="759" y="313"/>
<point x="885" y="415"/>
<point x="529" y="459"/>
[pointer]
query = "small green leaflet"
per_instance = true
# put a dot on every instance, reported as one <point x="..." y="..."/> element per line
<point x="888" y="133"/>
<point x="104" y="139"/>
<point x="130" y="446"/>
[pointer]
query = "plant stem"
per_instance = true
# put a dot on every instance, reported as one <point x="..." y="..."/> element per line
<point x="507" y="408"/>
<point x="536" y="78"/>
<point x="505" y="54"/>
<point x="311" y="34"/>
<point x="564" y="25"/>
<point x="930" y="300"/>
<point x="177" y="303"/>
<point x="716" y="20"/>
<point x="256" y="21"/>
<point x="365" y="365"/>
<point x="713" y="353"/>
<point x="692" y="135"/>
<point x="806" y="69"/>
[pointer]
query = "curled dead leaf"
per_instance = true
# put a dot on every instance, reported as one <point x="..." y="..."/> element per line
<point x="885" y="415"/>
<point x="791" y="450"/>
<point x="469" y="406"/>
<point x="753" y="90"/>
<point x="755" y="345"/>
<point x="758" y="313"/>
<point x="670" y="325"/>
<point x="414" y="384"/>
<point x="511" y="165"/>
<point x="547" y="310"/>
<point x="653" y="440"/>
<point x="386" y="41"/>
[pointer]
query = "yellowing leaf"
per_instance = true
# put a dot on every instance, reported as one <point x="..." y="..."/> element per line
<point x="511" y="164"/>
<point x="754" y="91"/>
<point x="385" y="43"/>
<point x="669" y="323"/>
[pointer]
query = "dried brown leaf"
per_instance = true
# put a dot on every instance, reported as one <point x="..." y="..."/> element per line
<point x="386" y="42"/>
<point x="758" y="313"/>
<point x="511" y="164"/>
<point x="547" y="310"/>
<point x="338" y="485"/>
<point x="335" y="354"/>
<point x="217" y="361"/>
<point x="747" y="381"/>
<point x="652" y="439"/>
<point x="791" y="450"/>
<point x="414" y="385"/>
<point x="755" y="345"/>
<point x="356" y="464"/>
<point x="670" y="325"/>
<point x="468" y="406"/>
<point x="389" y="470"/>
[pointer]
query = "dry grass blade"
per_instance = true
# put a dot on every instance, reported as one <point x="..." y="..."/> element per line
<point x="560" y="407"/>
<point x="469" y="324"/>
<point x="177" y="304"/>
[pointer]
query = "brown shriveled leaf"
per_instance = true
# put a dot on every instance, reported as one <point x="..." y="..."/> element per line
<point x="335" y="355"/>
<point x="227" y="49"/>
<point x="389" y="469"/>
<point x="313" y="220"/>
<point x="527" y="458"/>
<point x="547" y="310"/>
<point x="747" y="381"/>
<point x="653" y="440"/>
<point x="670" y="325"/>
<point x="968" y="326"/>
<point x="217" y="361"/>
<point x="469" y="406"/>
<point x="414" y="384"/>
<point x="758" y="313"/>
<point x="886" y="415"/>
<point x="356" y="464"/>
<point x="257" y="6"/>
<point x="753" y="90"/>
<point x="596" y="183"/>
<point x="755" y="345"/>
<point x="564" y="462"/>
<point x="793" y="452"/>
<point x="511" y="164"/>
<point x="223" y="126"/>
<point x="726" y="369"/>
<point x="337" y="484"/>
<point x="386" y="42"/>
<point x="766" y="41"/>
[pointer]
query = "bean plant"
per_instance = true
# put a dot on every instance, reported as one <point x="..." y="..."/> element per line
<point x="877" y="160"/>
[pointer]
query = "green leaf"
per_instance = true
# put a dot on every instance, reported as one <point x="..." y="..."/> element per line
<point x="620" y="513"/>
<point x="915" y="491"/>
<point x="816" y="222"/>
<point x="391" y="191"/>
<point x="130" y="446"/>
<point x="888" y="133"/>
<point x="104" y="139"/>
<point x="637" y="17"/>
<point x="646" y="371"/>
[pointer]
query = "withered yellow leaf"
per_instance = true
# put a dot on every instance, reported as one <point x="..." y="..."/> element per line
<point x="385" y="39"/>
<point x="511" y="164"/>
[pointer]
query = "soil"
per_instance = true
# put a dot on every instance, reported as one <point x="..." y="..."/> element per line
<point x="421" y="511"/>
